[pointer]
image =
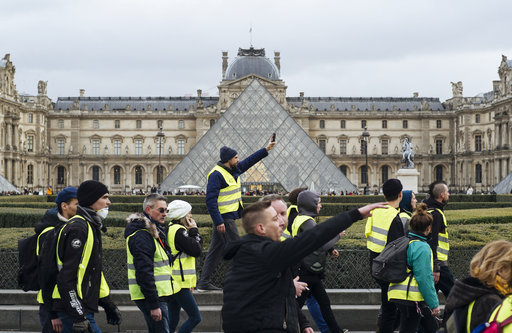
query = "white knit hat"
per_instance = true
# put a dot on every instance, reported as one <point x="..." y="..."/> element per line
<point x="178" y="209"/>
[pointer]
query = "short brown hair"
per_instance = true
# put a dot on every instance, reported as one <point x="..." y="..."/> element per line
<point x="252" y="215"/>
<point x="271" y="197"/>
<point x="493" y="259"/>
<point x="294" y="194"/>
<point x="421" y="219"/>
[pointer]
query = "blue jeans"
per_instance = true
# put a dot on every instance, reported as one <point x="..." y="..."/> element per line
<point x="316" y="314"/>
<point x="161" y="326"/>
<point x="67" y="322"/>
<point x="183" y="299"/>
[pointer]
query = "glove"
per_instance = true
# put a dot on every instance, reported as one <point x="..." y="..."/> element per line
<point x="113" y="314"/>
<point x="81" y="327"/>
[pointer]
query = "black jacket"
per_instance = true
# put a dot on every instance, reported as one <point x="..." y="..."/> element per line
<point x="189" y="241"/>
<point x="437" y="227"/>
<point x="466" y="291"/>
<point x="142" y="248"/>
<point x="259" y="295"/>
<point x="70" y="247"/>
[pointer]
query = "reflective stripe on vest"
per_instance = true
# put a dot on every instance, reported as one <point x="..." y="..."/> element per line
<point x="286" y="235"/>
<point x="443" y="244"/>
<point x="298" y="222"/>
<point x="399" y="290"/>
<point x="230" y="197"/>
<point x="84" y="261"/>
<point x="184" y="266"/>
<point x="40" y="292"/>
<point x="161" y="271"/>
<point x="377" y="227"/>
<point x="470" y="312"/>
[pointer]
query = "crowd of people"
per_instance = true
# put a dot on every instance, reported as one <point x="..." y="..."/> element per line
<point x="276" y="268"/>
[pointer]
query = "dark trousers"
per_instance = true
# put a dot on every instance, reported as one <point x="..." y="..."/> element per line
<point x="446" y="280"/>
<point x="183" y="299"/>
<point x="412" y="315"/>
<point x="316" y="288"/>
<point x="389" y="311"/>
<point x="217" y="245"/>
<point x="45" y="320"/>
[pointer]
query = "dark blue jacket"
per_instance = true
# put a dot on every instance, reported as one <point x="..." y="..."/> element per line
<point x="216" y="182"/>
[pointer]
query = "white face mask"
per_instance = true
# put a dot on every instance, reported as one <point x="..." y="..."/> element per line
<point x="102" y="213"/>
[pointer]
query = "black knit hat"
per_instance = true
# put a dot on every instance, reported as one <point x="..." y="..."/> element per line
<point x="89" y="192"/>
<point x="226" y="154"/>
<point x="392" y="188"/>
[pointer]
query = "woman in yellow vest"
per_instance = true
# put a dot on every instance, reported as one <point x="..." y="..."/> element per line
<point x="417" y="292"/>
<point x="186" y="244"/>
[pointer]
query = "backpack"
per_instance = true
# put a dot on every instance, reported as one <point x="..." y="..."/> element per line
<point x="391" y="264"/>
<point x="27" y="258"/>
<point x="47" y="265"/>
<point x="493" y="326"/>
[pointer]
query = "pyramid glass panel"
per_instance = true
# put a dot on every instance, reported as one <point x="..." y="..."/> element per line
<point x="246" y="126"/>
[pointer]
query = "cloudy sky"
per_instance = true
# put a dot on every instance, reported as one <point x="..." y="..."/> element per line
<point x="328" y="48"/>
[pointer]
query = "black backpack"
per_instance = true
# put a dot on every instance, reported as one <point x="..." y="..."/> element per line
<point x="47" y="264"/>
<point x="28" y="263"/>
<point x="391" y="264"/>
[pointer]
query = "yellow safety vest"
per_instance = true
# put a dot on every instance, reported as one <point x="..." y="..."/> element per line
<point x="443" y="244"/>
<point x="161" y="271"/>
<point x="230" y="197"/>
<point x="377" y="228"/>
<point x="84" y="262"/>
<point x="502" y="312"/>
<point x="183" y="269"/>
<point x="298" y="222"/>
<point x="289" y="210"/>
<point x="40" y="292"/>
<point x="286" y="235"/>
<point x="399" y="290"/>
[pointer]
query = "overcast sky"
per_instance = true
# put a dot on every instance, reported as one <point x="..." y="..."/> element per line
<point x="328" y="48"/>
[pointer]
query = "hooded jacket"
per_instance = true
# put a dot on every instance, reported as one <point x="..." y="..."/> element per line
<point x="259" y="295"/>
<point x="466" y="291"/>
<point x="142" y="247"/>
<point x="437" y="227"/>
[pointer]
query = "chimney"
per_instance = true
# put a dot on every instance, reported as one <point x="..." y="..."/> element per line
<point x="224" y="63"/>
<point x="277" y="61"/>
<point x="82" y="92"/>
<point x="199" y="92"/>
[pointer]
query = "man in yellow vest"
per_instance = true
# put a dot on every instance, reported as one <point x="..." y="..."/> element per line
<point x="437" y="200"/>
<point x="382" y="227"/>
<point x="81" y="285"/>
<point x="224" y="203"/>
<point x="149" y="271"/>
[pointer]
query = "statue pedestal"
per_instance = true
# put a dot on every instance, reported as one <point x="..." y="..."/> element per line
<point x="409" y="179"/>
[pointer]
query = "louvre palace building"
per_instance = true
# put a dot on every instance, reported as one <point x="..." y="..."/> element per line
<point x="136" y="142"/>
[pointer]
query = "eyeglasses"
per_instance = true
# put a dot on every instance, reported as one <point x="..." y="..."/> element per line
<point x="162" y="210"/>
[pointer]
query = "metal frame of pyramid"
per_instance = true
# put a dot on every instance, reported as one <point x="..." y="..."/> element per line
<point x="246" y="126"/>
<point x="505" y="186"/>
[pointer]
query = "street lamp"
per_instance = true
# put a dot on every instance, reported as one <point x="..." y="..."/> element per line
<point x="159" y="135"/>
<point x="366" y="137"/>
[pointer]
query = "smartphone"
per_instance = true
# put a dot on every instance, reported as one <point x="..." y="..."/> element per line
<point x="273" y="137"/>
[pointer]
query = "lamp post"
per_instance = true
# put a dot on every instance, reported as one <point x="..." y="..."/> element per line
<point x="159" y="135"/>
<point x="366" y="136"/>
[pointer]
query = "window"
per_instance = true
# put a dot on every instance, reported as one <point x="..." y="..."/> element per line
<point x="343" y="169"/>
<point x="477" y="118"/>
<point x="322" y="144"/>
<point x="438" y="172"/>
<point x="384" y="147"/>
<point x="95" y="124"/>
<point x="181" y="124"/>
<point x="343" y="147"/>
<point x="181" y="147"/>
<point x="117" y="123"/>
<point x="138" y="175"/>
<point x="30" y="174"/>
<point x="364" y="175"/>
<point x="342" y="124"/>
<point x="117" y="147"/>
<point x="363" y="123"/>
<point x="478" y="173"/>
<point x="405" y="124"/>
<point x="363" y="147"/>
<point x="60" y="123"/>
<point x="30" y="143"/>
<point x="60" y="147"/>
<point x="322" y="123"/>
<point x="138" y="147"/>
<point x="30" y="120"/>
<point x="439" y="124"/>
<point x="212" y="122"/>
<point x="384" y="124"/>
<point x="95" y="147"/>
<point x="385" y="173"/>
<point x="478" y="143"/>
<point x="160" y="124"/>
<point x="61" y="172"/>
<point x="117" y="175"/>
<point x="439" y="147"/>
<point x="138" y="124"/>
<point x="96" y="173"/>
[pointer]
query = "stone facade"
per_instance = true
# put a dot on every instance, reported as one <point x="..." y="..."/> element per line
<point x="464" y="140"/>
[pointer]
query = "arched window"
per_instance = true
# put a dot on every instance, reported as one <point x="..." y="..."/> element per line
<point x="385" y="173"/>
<point x="438" y="170"/>
<point x="138" y="175"/>
<point x="96" y="173"/>
<point x="159" y="174"/>
<point x="61" y="175"/>
<point x="30" y="174"/>
<point x="343" y="169"/>
<point x="478" y="173"/>
<point x="364" y="175"/>
<point x="117" y="175"/>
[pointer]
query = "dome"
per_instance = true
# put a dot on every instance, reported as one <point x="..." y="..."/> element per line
<point x="252" y="64"/>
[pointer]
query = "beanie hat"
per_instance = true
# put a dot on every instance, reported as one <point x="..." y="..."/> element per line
<point x="178" y="209"/>
<point x="307" y="202"/>
<point x="405" y="204"/>
<point x="226" y="154"/>
<point x="89" y="192"/>
<point x="391" y="188"/>
<point x="66" y="194"/>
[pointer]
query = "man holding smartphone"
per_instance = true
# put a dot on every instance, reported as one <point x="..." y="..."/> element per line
<point x="224" y="203"/>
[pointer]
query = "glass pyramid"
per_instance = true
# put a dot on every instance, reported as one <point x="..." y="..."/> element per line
<point x="5" y="186"/>
<point x="247" y="126"/>
<point x="505" y="186"/>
